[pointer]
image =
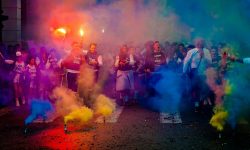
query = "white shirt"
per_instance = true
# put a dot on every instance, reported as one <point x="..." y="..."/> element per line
<point x="194" y="58"/>
<point x="31" y="71"/>
<point x="246" y="60"/>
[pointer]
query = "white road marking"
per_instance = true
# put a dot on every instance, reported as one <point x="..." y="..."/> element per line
<point x="112" y="118"/>
<point x="170" y="118"/>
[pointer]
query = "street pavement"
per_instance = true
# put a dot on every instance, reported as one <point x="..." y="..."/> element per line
<point x="129" y="127"/>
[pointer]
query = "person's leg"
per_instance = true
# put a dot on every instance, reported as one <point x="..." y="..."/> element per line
<point x="96" y="73"/>
<point x="195" y="93"/>
<point x="22" y="94"/>
<point x="16" y="89"/>
<point x="72" y="81"/>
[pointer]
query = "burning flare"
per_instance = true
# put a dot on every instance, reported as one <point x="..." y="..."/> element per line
<point x="81" y="31"/>
<point x="60" y="31"/>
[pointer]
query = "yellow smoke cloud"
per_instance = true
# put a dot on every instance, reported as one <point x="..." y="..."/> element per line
<point x="228" y="88"/>
<point x="218" y="120"/>
<point x="104" y="106"/>
<point x="86" y="78"/>
<point x="70" y="105"/>
<point x="66" y="100"/>
<point x="86" y="85"/>
<point x="83" y="114"/>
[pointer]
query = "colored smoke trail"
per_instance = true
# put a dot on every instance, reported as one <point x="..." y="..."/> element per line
<point x="228" y="88"/>
<point x="237" y="103"/>
<point x="82" y="114"/>
<point x="166" y="99"/>
<point x="67" y="101"/>
<point x="104" y="106"/>
<point x="103" y="22"/>
<point x="232" y="95"/>
<point x="212" y="77"/>
<point x="219" y="118"/>
<point x="91" y="89"/>
<point x="171" y="20"/>
<point x="86" y="83"/>
<point x="145" y="20"/>
<point x="221" y="114"/>
<point x="39" y="108"/>
<point x="70" y="105"/>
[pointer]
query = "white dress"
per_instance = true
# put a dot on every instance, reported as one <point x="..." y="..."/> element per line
<point x="19" y="72"/>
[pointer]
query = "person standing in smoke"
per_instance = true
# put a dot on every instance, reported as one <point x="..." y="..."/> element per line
<point x="175" y="62"/>
<point x="154" y="61"/>
<point x="72" y="64"/>
<point x="124" y="77"/>
<point x="195" y="64"/>
<point x="42" y="74"/>
<point x="136" y="69"/>
<point x="94" y="60"/>
<point x="32" y="78"/>
<point x="147" y="50"/>
<point x="19" y="78"/>
<point x="53" y="69"/>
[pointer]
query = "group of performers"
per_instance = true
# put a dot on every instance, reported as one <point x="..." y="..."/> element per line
<point x="46" y="71"/>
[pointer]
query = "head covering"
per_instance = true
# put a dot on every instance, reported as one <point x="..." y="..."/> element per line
<point x="18" y="53"/>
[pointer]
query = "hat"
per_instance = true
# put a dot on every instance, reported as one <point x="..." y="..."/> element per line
<point x="18" y="53"/>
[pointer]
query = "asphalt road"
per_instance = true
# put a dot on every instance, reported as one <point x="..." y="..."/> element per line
<point x="133" y="128"/>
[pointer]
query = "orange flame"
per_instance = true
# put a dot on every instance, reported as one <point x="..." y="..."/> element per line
<point x="61" y="30"/>
<point x="81" y="31"/>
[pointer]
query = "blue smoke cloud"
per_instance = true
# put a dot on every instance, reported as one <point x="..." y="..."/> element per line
<point x="237" y="103"/>
<point x="39" y="108"/>
<point x="168" y="91"/>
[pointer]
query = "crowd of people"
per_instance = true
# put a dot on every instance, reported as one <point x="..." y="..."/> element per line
<point x="35" y="75"/>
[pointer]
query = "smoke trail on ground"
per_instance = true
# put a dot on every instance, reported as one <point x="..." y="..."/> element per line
<point x="104" y="106"/>
<point x="237" y="102"/>
<point x="219" y="118"/>
<point x="39" y="108"/>
<point x="66" y="100"/>
<point x="232" y="104"/>
<point x="82" y="114"/>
